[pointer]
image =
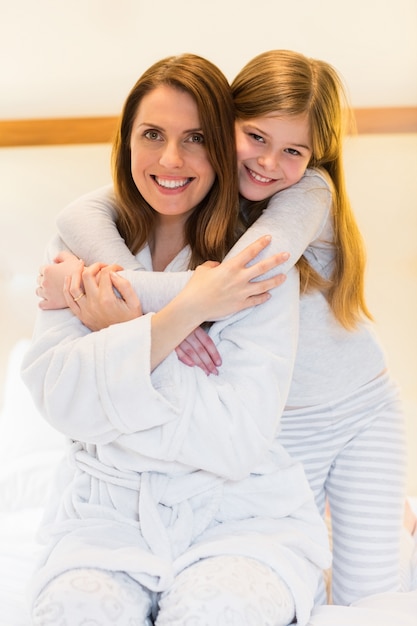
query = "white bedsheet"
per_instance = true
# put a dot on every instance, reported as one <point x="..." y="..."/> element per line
<point x="17" y="555"/>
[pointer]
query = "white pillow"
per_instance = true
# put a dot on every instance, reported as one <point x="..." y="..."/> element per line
<point x="29" y="447"/>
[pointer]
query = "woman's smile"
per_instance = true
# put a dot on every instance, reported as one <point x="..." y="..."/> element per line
<point x="172" y="184"/>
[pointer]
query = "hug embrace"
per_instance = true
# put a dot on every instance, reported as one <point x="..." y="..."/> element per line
<point x="212" y="363"/>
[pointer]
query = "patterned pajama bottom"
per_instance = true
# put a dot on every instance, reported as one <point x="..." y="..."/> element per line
<point x="219" y="591"/>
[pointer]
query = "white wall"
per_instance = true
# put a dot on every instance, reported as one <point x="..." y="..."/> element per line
<point x="381" y="177"/>
<point x="81" y="57"/>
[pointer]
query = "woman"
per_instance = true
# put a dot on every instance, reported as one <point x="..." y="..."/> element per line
<point x="168" y="500"/>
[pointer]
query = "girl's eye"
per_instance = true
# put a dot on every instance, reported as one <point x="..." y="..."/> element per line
<point x="256" y="137"/>
<point x="152" y="135"/>
<point x="292" y="151"/>
<point x="196" y="138"/>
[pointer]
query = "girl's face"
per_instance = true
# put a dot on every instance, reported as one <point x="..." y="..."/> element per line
<point x="169" y="161"/>
<point x="272" y="153"/>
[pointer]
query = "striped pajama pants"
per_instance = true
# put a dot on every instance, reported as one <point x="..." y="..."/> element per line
<point x="354" y="455"/>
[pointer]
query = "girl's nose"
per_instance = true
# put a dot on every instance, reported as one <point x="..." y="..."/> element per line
<point x="269" y="161"/>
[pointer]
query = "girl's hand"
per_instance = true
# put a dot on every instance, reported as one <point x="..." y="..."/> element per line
<point x="200" y="350"/>
<point x="219" y="289"/>
<point x="90" y="294"/>
<point x="51" y="280"/>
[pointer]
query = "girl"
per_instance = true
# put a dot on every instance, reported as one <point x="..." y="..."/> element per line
<point x="175" y="501"/>
<point x="343" y="418"/>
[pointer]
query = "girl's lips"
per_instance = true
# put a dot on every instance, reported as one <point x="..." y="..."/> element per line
<point x="258" y="178"/>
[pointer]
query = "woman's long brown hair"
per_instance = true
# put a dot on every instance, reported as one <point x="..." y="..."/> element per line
<point x="211" y="230"/>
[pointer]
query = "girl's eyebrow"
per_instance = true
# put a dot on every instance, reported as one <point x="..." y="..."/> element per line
<point x="256" y="129"/>
<point x="262" y="132"/>
<point x="301" y="145"/>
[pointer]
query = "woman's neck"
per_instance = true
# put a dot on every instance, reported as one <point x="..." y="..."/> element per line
<point x="168" y="241"/>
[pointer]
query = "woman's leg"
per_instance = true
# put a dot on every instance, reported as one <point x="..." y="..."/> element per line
<point x="92" y="597"/>
<point x="227" y="590"/>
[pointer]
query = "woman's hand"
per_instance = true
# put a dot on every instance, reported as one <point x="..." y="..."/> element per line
<point x="198" y="349"/>
<point x="90" y="294"/>
<point x="235" y="284"/>
<point x="214" y="291"/>
<point x="51" y="280"/>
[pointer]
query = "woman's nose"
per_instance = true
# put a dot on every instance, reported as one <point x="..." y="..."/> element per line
<point x="171" y="155"/>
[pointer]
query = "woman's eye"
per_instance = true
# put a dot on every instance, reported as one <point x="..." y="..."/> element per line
<point x="292" y="151"/>
<point x="152" y="135"/>
<point x="196" y="138"/>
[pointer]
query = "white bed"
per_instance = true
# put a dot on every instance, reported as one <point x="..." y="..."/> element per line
<point x="29" y="449"/>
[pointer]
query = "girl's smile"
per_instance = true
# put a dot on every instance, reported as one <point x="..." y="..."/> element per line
<point x="258" y="178"/>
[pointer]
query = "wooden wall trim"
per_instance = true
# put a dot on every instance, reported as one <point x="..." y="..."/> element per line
<point x="386" y="120"/>
<point x="57" y="131"/>
<point x="83" y="130"/>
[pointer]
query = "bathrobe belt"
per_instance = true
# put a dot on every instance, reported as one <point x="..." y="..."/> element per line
<point x="172" y="510"/>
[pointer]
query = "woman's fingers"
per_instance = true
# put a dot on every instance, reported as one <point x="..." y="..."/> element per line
<point x="264" y="266"/>
<point x="260" y="286"/>
<point x="247" y="260"/>
<point x="249" y="253"/>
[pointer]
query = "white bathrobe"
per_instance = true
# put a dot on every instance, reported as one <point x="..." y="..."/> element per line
<point x="169" y="467"/>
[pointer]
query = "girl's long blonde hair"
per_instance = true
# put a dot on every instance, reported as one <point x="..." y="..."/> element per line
<point x="211" y="230"/>
<point x="289" y="83"/>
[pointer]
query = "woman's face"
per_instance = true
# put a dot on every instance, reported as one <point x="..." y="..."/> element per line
<point x="169" y="161"/>
<point x="272" y="153"/>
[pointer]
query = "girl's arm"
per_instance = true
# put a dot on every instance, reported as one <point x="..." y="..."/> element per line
<point x="88" y="228"/>
<point x="98" y="386"/>
<point x="295" y="217"/>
